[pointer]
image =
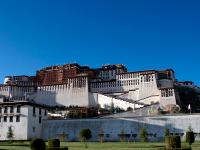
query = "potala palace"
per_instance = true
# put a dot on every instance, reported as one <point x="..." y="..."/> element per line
<point x="156" y="98"/>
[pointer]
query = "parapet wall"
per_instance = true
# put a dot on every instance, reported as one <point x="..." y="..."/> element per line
<point x="74" y="92"/>
<point x="111" y="127"/>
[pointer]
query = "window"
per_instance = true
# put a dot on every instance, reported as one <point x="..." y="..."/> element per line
<point x="147" y="78"/>
<point x="33" y="129"/>
<point x="0" y="119"/>
<point x="107" y="135"/>
<point x="17" y="118"/>
<point x="6" y="109"/>
<point x="11" y="109"/>
<point x="167" y="93"/>
<point x="18" y="109"/>
<point x="0" y="110"/>
<point x="11" y="118"/>
<point x="40" y="111"/>
<point x="40" y="119"/>
<point x="33" y="111"/>
<point x="45" y="112"/>
<point x="5" y="119"/>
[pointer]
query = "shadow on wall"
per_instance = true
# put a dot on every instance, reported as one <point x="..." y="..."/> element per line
<point x="45" y="97"/>
<point x="110" y="128"/>
<point x="62" y="96"/>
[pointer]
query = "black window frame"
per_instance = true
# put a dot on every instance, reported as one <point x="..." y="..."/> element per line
<point x="11" y="118"/>
<point x="17" y="118"/>
<point x="5" y="119"/>
<point x="6" y="109"/>
<point x="45" y="112"/>
<point x="11" y="109"/>
<point x="34" y="111"/>
<point x="40" y="111"/>
<point x="18" y="109"/>
<point x="40" y="120"/>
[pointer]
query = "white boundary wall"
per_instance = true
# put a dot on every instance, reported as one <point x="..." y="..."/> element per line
<point x="113" y="127"/>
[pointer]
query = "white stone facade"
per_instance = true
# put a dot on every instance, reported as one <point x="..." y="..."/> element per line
<point x="111" y="127"/>
<point x="127" y="88"/>
<point x="25" y="122"/>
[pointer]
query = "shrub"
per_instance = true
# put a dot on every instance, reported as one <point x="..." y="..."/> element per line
<point x="10" y="134"/>
<point x="57" y="148"/>
<point x="172" y="142"/>
<point x="166" y="132"/>
<point x="101" y="136"/>
<point x="190" y="137"/>
<point x="37" y="144"/>
<point x="85" y="134"/>
<point x="183" y="148"/>
<point x="54" y="143"/>
<point x="143" y="135"/>
<point x="134" y="136"/>
<point x="122" y="136"/>
<point x="186" y="148"/>
<point x="129" y="109"/>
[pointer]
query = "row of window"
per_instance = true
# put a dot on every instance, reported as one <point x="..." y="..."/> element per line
<point x="115" y="84"/>
<point x="11" y="119"/>
<point x="24" y="89"/>
<point x="129" y="75"/>
<point x="62" y="87"/>
<point x="40" y="111"/>
<point x="20" y="78"/>
<point x="5" y="109"/>
<point x="25" y="83"/>
<point x="3" y="88"/>
<point x="108" y="73"/>
<point x="147" y="78"/>
<point x="167" y="93"/>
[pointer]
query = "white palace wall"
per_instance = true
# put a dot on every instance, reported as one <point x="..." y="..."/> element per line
<point x="15" y="91"/>
<point x="106" y="101"/>
<point x="74" y="92"/>
<point x="132" y="86"/>
<point x="142" y="87"/>
<point x="20" y="129"/>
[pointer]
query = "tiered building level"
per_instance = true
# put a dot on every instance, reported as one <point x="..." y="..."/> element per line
<point x="75" y="85"/>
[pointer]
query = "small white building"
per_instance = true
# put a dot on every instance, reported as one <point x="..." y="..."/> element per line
<point x="23" y="117"/>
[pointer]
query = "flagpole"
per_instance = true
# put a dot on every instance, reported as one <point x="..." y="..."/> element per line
<point x="189" y="108"/>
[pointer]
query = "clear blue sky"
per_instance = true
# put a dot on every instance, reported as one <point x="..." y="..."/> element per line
<point x="140" y="34"/>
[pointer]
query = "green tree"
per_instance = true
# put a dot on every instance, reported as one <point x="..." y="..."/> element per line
<point x="190" y="136"/>
<point x="172" y="142"/>
<point x="143" y="134"/>
<point x="166" y="132"/>
<point x="85" y="134"/>
<point x="63" y="136"/>
<point x="112" y="108"/>
<point x="37" y="144"/>
<point x="101" y="135"/>
<point x="122" y="136"/>
<point x="134" y="136"/>
<point x="10" y="134"/>
<point x="129" y="109"/>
